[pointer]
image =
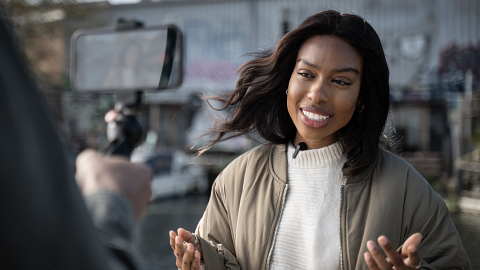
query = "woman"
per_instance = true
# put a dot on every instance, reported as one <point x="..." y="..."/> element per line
<point x="325" y="85"/>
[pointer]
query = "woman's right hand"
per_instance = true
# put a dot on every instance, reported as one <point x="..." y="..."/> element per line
<point x="189" y="255"/>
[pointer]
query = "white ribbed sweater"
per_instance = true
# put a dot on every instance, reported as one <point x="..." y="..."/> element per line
<point x="308" y="235"/>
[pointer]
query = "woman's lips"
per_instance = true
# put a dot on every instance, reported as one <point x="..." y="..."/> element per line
<point x="314" y="119"/>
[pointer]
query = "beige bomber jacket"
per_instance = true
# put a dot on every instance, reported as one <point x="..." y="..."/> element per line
<point x="237" y="230"/>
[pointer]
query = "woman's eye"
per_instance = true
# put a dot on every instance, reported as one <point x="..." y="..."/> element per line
<point x="306" y="75"/>
<point x="341" y="82"/>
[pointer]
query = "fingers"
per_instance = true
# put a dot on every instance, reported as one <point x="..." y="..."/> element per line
<point x="372" y="265"/>
<point x="110" y="116"/>
<point x="86" y="155"/>
<point x="413" y="257"/>
<point x="84" y="162"/>
<point x="377" y="261"/>
<point x="190" y="238"/>
<point x="409" y="256"/>
<point x="409" y="250"/>
<point x="179" y="251"/>
<point x="172" y="235"/>
<point x="188" y="257"/>
<point x="186" y="235"/>
<point x="413" y="240"/>
<point x="390" y="251"/>
<point x="196" y="261"/>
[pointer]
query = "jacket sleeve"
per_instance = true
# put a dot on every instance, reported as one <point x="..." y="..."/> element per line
<point x="441" y="246"/>
<point x="214" y="231"/>
<point x="113" y="218"/>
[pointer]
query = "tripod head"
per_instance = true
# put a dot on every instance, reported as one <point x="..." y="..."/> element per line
<point x="125" y="132"/>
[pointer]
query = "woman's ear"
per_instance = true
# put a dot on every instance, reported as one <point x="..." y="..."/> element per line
<point x="359" y="107"/>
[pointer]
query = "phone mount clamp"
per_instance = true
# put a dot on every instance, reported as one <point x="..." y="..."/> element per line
<point x="125" y="132"/>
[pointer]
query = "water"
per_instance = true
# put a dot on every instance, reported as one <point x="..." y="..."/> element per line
<point x="152" y="241"/>
<point x="155" y="252"/>
<point x="468" y="226"/>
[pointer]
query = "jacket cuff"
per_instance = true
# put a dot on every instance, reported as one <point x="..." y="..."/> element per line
<point x="214" y="260"/>
<point x="113" y="217"/>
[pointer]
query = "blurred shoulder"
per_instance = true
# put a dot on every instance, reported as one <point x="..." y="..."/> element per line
<point x="397" y="172"/>
<point x="256" y="159"/>
<point x="392" y="163"/>
<point x="248" y="168"/>
<point x="258" y="154"/>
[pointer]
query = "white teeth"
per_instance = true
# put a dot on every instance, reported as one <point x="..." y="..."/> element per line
<point x="314" y="116"/>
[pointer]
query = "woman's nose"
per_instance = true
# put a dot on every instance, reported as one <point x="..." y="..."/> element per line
<point x="318" y="92"/>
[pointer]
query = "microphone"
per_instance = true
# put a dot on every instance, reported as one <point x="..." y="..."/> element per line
<point x="301" y="146"/>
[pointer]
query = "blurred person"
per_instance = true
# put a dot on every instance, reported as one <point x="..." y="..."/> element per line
<point x="323" y="190"/>
<point x="45" y="223"/>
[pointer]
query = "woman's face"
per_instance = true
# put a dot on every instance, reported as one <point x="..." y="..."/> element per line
<point x="323" y="89"/>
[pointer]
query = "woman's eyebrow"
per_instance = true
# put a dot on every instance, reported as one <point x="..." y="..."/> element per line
<point x="308" y="63"/>
<point x="349" y="69"/>
<point x="340" y="70"/>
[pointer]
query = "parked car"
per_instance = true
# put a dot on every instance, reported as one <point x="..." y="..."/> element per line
<point x="173" y="176"/>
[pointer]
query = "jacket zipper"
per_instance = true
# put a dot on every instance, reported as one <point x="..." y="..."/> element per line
<point x="341" y="238"/>
<point x="276" y="228"/>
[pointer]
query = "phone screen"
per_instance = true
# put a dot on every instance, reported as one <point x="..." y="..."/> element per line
<point x="123" y="60"/>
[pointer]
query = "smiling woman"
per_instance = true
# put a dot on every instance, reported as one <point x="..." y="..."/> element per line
<point x="324" y="89"/>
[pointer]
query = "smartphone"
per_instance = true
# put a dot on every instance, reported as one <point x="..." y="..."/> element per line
<point x="140" y="59"/>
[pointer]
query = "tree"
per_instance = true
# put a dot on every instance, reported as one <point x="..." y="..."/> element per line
<point x="43" y="28"/>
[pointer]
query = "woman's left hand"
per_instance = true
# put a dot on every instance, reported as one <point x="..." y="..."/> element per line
<point x="407" y="259"/>
<point x="189" y="254"/>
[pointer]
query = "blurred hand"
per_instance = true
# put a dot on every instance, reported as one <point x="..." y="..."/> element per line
<point x="189" y="254"/>
<point x="117" y="174"/>
<point x="407" y="259"/>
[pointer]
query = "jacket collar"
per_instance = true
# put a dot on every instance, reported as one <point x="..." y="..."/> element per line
<point x="278" y="157"/>
<point x="278" y="154"/>
<point x="367" y="173"/>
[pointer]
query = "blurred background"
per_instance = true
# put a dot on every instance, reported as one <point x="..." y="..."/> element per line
<point x="432" y="48"/>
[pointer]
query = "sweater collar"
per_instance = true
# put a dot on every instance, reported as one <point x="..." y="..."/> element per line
<point x="320" y="157"/>
<point x="278" y="165"/>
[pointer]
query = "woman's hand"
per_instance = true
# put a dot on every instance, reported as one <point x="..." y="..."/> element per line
<point x="189" y="254"/>
<point x="408" y="259"/>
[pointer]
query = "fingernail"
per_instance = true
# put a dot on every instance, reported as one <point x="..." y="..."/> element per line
<point x="412" y="249"/>
<point x="382" y="241"/>
<point x="190" y="247"/>
<point x="371" y="245"/>
<point x="178" y="240"/>
<point x="367" y="256"/>
<point x="197" y="254"/>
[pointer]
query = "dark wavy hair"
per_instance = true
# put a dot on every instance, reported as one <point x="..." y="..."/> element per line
<point x="259" y="103"/>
